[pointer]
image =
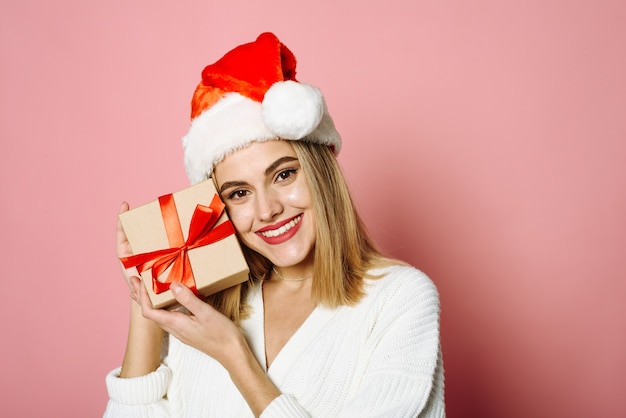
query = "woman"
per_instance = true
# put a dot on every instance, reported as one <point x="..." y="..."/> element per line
<point x="326" y="326"/>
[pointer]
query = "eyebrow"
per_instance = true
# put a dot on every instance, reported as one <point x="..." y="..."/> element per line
<point x="278" y="163"/>
<point x="269" y="170"/>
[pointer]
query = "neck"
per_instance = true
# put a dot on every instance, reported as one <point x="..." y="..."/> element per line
<point x="289" y="279"/>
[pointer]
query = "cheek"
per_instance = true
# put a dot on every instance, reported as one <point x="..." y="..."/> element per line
<point x="241" y="219"/>
<point x="299" y="196"/>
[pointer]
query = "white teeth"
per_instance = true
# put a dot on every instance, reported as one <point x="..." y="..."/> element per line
<point x="282" y="229"/>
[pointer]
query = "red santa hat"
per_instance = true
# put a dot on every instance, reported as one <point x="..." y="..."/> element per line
<point x="251" y="94"/>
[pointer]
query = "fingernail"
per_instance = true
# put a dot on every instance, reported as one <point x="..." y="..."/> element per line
<point x="175" y="288"/>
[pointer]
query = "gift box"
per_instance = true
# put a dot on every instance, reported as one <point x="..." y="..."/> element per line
<point x="184" y="237"/>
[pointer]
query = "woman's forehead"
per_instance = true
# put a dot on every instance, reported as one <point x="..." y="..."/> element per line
<point x="254" y="158"/>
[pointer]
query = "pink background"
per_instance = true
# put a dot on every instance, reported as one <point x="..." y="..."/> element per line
<point x="484" y="142"/>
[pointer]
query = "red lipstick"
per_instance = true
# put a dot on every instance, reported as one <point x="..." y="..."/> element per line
<point x="280" y="231"/>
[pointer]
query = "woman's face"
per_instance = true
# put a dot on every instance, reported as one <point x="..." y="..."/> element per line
<point x="269" y="203"/>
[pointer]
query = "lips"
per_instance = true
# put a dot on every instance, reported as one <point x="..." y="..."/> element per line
<point x="275" y="234"/>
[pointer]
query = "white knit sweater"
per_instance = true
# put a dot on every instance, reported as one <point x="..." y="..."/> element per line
<point x="381" y="358"/>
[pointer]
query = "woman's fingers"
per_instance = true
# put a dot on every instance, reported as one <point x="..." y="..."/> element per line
<point x="203" y="328"/>
<point x="164" y="318"/>
<point x="123" y="247"/>
<point x="135" y="288"/>
<point x="188" y="299"/>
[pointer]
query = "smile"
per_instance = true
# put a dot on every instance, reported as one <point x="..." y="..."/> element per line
<point x="283" y="229"/>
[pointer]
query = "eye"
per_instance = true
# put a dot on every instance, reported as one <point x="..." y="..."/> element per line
<point x="286" y="174"/>
<point x="237" y="194"/>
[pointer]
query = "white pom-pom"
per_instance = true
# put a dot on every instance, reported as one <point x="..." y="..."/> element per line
<point x="292" y="110"/>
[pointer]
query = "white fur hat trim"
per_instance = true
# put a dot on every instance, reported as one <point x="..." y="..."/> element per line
<point x="289" y="112"/>
<point x="228" y="125"/>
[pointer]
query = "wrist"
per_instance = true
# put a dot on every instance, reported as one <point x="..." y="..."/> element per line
<point x="252" y="381"/>
<point x="143" y="348"/>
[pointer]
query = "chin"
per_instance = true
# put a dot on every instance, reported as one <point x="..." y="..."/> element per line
<point x="289" y="258"/>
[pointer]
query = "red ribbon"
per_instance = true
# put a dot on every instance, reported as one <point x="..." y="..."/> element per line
<point x="202" y="231"/>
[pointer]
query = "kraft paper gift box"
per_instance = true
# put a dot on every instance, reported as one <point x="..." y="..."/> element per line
<point x="210" y="260"/>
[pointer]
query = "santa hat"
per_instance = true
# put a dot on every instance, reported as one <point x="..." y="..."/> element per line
<point x="251" y="94"/>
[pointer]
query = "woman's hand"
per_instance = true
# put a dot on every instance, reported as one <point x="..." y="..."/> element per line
<point x="204" y="328"/>
<point x="207" y="330"/>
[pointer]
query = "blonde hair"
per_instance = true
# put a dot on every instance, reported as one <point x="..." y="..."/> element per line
<point x="344" y="250"/>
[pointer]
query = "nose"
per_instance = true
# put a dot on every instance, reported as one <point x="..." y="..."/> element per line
<point x="268" y="205"/>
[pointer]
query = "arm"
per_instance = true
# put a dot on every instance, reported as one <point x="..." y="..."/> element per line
<point x="138" y="387"/>
<point x="143" y="347"/>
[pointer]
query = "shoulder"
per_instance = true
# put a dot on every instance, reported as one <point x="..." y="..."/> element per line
<point x="403" y="277"/>
<point x="403" y="285"/>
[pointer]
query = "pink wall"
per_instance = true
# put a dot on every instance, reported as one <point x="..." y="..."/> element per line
<point x="485" y="142"/>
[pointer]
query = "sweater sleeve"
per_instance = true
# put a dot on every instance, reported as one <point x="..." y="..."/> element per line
<point x="140" y="397"/>
<point x="404" y="372"/>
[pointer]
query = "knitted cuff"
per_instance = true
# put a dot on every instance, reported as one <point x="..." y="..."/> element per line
<point x="141" y="390"/>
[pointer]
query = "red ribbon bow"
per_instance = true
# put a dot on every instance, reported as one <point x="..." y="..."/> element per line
<point x="201" y="232"/>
